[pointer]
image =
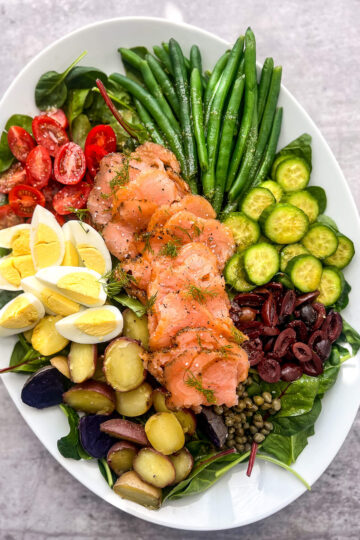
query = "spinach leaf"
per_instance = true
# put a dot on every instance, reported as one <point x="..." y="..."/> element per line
<point x="4" y="251"/>
<point x="343" y="299"/>
<point x="292" y="425"/>
<point x="287" y="448"/>
<point x="328" y="378"/>
<point x="6" y="157"/>
<point x="51" y="90"/>
<point x="300" y="147"/>
<point x="75" y="104"/>
<point x="328" y="221"/>
<point x="22" y="352"/>
<point x="21" y="120"/>
<point x="6" y="296"/>
<point x="284" y="466"/>
<point x="297" y="397"/>
<point x="351" y="336"/>
<point x="70" y="446"/>
<point x="80" y="129"/>
<point x="128" y="301"/>
<point x="106" y="472"/>
<point x="199" y="448"/>
<point x="84" y="77"/>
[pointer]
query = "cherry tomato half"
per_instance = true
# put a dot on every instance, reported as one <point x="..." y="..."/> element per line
<point x="69" y="164"/>
<point x="8" y="218"/>
<point x="103" y="136"/>
<point x="39" y="167"/>
<point x="49" y="133"/>
<point x="50" y="191"/>
<point x="23" y="200"/>
<point x="12" y="177"/>
<point x="70" y="197"/>
<point x="93" y="155"/>
<point x="59" y="116"/>
<point x="20" y="142"/>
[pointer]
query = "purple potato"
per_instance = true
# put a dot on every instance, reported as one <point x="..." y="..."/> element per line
<point x="44" y="388"/>
<point x="95" y="442"/>
<point x="213" y="426"/>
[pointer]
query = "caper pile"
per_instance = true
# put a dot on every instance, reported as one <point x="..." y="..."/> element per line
<point x="248" y="420"/>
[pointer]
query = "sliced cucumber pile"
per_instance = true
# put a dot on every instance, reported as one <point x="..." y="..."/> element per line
<point x="343" y="254"/>
<point x="292" y="174"/>
<point x="320" y="240"/>
<point x="331" y="285"/>
<point x="289" y="252"/>
<point x="256" y="201"/>
<point x="261" y="263"/>
<point x="235" y="273"/>
<point x="305" y="201"/>
<point x="245" y="230"/>
<point x="274" y="187"/>
<point x="284" y="223"/>
<point x="305" y="272"/>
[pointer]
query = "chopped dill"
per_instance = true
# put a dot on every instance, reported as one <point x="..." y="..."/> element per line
<point x="145" y="237"/>
<point x="199" y="294"/>
<point x="198" y="230"/>
<point x="196" y="383"/>
<point x="185" y="231"/>
<point x="121" y="176"/>
<point x="116" y="280"/>
<point x="80" y="213"/>
<point x="105" y="195"/>
<point x="170" y="249"/>
<point x="150" y="303"/>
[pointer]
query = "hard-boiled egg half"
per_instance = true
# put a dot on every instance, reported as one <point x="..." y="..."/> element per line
<point x="20" y="314"/>
<point x="79" y="284"/>
<point x="53" y="302"/>
<point x="93" y="325"/>
<point x="46" y="239"/>
<point x="89" y="245"/>
<point x="18" y="264"/>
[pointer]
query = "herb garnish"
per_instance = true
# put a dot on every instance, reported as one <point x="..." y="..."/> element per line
<point x="150" y="303"/>
<point x="116" y="280"/>
<point x="145" y="237"/>
<point x="170" y="249"/>
<point x="196" y="383"/>
<point x="199" y="294"/>
<point x="80" y="213"/>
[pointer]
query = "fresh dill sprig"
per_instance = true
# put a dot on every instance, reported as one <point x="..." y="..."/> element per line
<point x="114" y="281"/>
<point x="80" y="213"/>
<point x="121" y="176"/>
<point x="170" y="249"/>
<point x="196" y="383"/>
<point x="145" y="237"/>
<point x="185" y="231"/>
<point x="150" y="303"/>
<point x="199" y="294"/>
<point x="197" y="230"/>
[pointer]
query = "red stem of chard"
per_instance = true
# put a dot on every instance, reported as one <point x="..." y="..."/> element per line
<point x="114" y="110"/>
<point x="254" y="449"/>
<point x="11" y="368"/>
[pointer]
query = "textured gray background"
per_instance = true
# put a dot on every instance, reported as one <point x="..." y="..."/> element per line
<point x="318" y="44"/>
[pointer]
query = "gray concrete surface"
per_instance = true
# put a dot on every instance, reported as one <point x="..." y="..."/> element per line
<point x="318" y="45"/>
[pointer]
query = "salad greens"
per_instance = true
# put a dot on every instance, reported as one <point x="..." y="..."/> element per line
<point x="69" y="446"/>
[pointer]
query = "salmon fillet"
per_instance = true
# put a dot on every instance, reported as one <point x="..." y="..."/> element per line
<point x="195" y="204"/>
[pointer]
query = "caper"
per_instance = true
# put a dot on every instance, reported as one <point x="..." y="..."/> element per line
<point x="243" y="417"/>
<point x="241" y="405"/>
<point x="259" y="400"/>
<point x="240" y="448"/>
<point x="240" y="431"/>
<point x="259" y="438"/>
<point x="265" y="432"/>
<point x="218" y="409"/>
<point x="258" y="418"/>
<point x="253" y="430"/>
<point x="231" y="443"/>
<point x="229" y="421"/>
<point x="238" y="440"/>
<point x="245" y="394"/>
<point x="265" y="407"/>
<point x="276" y="404"/>
<point x="259" y="425"/>
<point x="231" y="430"/>
<point x="240" y="389"/>
<point x="246" y="425"/>
<point x="267" y="397"/>
<point x="269" y="426"/>
<point x="247" y="447"/>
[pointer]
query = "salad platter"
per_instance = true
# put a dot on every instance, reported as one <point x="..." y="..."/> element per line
<point x="177" y="274"/>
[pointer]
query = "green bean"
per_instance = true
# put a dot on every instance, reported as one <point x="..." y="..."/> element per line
<point x="182" y="91"/>
<point x="196" y="62"/>
<point x="198" y="119"/>
<point x="148" y="123"/>
<point x="264" y="86"/>
<point x="271" y="147"/>
<point x="152" y="106"/>
<point x="250" y="105"/>
<point x="164" y="57"/>
<point x="266" y="123"/>
<point x="130" y="57"/>
<point x="213" y="131"/>
<point x="214" y="78"/>
<point x="228" y="128"/>
<point x="166" y="47"/>
<point x="164" y="82"/>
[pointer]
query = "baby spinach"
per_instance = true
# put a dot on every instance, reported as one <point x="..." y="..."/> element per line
<point x="6" y="296"/>
<point x="6" y="157"/>
<point x="328" y="221"/>
<point x="199" y="448"/>
<point x="300" y="147"/>
<point x="292" y="425"/>
<point x="84" y="77"/>
<point x="106" y="472"/>
<point x="51" y="89"/>
<point x="328" y="378"/>
<point x="75" y="104"/>
<point x="4" y="252"/>
<point x="24" y="352"/>
<point x="70" y="446"/>
<point x="132" y="303"/>
<point x="286" y="467"/>
<point x="21" y="120"/>
<point x="343" y="299"/>
<point x="297" y="397"/>
<point x="351" y="336"/>
<point x="287" y="448"/>
<point x="80" y="129"/>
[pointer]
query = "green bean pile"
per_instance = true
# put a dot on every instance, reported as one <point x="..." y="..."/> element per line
<point x="222" y="126"/>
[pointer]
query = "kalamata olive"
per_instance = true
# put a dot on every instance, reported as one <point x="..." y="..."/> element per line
<point x="316" y="336"/>
<point x="254" y="351"/>
<point x="300" y="329"/>
<point x="306" y="298"/>
<point x="269" y="312"/>
<point x="314" y="367"/>
<point x="270" y="331"/>
<point x="287" y="305"/>
<point x="242" y="314"/>
<point x="302" y="352"/>
<point x="321" y="315"/>
<point x="308" y="314"/>
<point x="269" y="370"/>
<point x="249" y="300"/>
<point x="291" y="372"/>
<point x="269" y="344"/>
<point x="323" y="349"/>
<point x="273" y="286"/>
<point x="284" y="340"/>
<point x="332" y="326"/>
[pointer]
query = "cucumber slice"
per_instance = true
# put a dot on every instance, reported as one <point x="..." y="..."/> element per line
<point x="289" y="252"/>
<point x="343" y="254"/>
<point x="261" y="263"/>
<point x="245" y="230"/>
<point x="274" y="187"/>
<point x="276" y="163"/>
<point x="320" y="240"/>
<point x="320" y="195"/>
<point x="305" y="272"/>
<point x="256" y="201"/>
<point x="306" y="202"/>
<point x="331" y="285"/>
<point x="284" y="223"/>
<point x="234" y="274"/>
<point x="293" y="174"/>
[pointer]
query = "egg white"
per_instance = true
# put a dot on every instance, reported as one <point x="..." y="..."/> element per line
<point x="82" y="233"/>
<point x="66" y="327"/>
<point x="4" y="332"/>
<point x="6" y="235"/>
<point x="43" y="216"/>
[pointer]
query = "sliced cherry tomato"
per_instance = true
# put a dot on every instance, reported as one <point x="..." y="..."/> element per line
<point x="59" y="218"/>
<point x="103" y="136"/>
<point x="8" y="218"/>
<point x="39" y="167"/>
<point x="12" y="177"/>
<point x="20" y="142"/>
<point x="50" y="191"/>
<point x="69" y="164"/>
<point x="70" y="197"/>
<point x="59" y="116"/>
<point x="49" y="133"/>
<point x="93" y="155"/>
<point x="23" y="200"/>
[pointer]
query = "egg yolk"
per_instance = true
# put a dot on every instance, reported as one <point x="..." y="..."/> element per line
<point x="71" y="257"/>
<point x="24" y="265"/>
<point x="92" y="258"/>
<point x="20" y="243"/>
<point x="45" y="338"/>
<point x="9" y="272"/>
<point x="96" y="323"/>
<point x="81" y="287"/>
<point x="47" y="247"/>
<point x="19" y="314"/>
<point x="57" y="303"/>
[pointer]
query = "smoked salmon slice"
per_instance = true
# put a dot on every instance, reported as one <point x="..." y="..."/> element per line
<point x="195" y="204"/>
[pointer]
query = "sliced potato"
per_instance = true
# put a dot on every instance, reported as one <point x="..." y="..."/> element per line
<point x="82" y="361"/>
<point x="154" y="468"/>
<point x="183" y="463"/>
<point x="125" y="429"/>
<point x="123" y="366"/>
<point x="187" y="420"/>
<point x="159" y="396"/>
<point x="91" y="397"/>
<point x="136" y="327"/>
<point x="99" y="374"/>
<point x="135" y="402"/>
<point x="61" y="364"/>
<point x="120" y="457"/>
<point x="46" y="339"/>
<point x="130" y="486"/>
<point x="165" y="433"/>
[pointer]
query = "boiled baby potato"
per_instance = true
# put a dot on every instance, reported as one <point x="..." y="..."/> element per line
<point x="125" y="429"/>
<point x="183" y="463"/>
<point x="44" y="388"/>
<point x="120" y="457"/>
<point x="165" y="433"/>
<point x="136" y="327"/>
<point x="130" y="486"/>
<point x="135" y="402"/>
<point x="91" y="397"/>
<point x="99" y="374"/>
<point x="123" y="366"/>
<point x="154" y="468"/>
<point x="61" y="364"/>
<point x="186" y="417"/>
<point x="159" y="396"/>
<point x="82" y="361"/>
<point x="46" y="339"/>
